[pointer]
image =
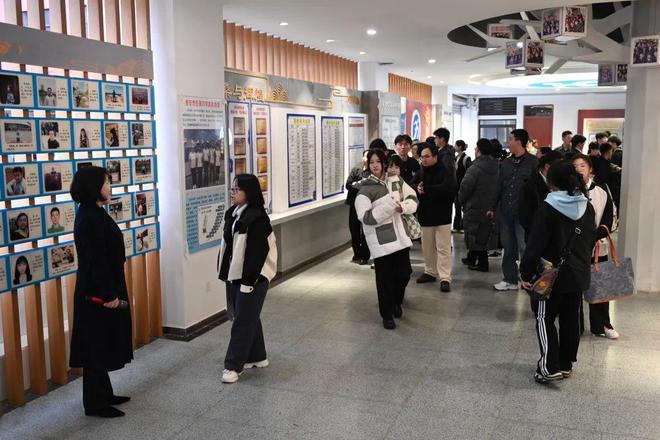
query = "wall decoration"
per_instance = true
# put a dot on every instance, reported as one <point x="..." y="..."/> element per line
<point x="301" y="148"/>
<point x="52" y="92"/>
<point x="56" y="177"/>
<point x="621" y="74"/>
<point x="120" y="171"/>
<point x="144" y="169"/>
<point x="85" y="95"/>
<point x="142" y="134"/>
<point x="21" y="180"/>
<point x="55" y="135"/>
<point x="497" y="30"/>
<point x="113" y="97"/>
<point x="18" y="136"/>
<point x="120" y="208"/>
<point x="140" y="100"/>
<point x="146" y="238"/>
<point x="644" y="51"/>
<point x="332" y="155"/>
<point x="145" y="204"/>
<point x="356" y="137"/>
<point x="260" y="119"/>
<point x="62" y="259"/>
<point x="115" y="134"/>
<point x="16" y="90"/>
<point x="514" y="54"/>
<point x="87" y="134"/>
<point x="534" y="53"/>
<point x="24" y="224"/>
<point x="27" y="268"/>
<point x="59" y="218"/>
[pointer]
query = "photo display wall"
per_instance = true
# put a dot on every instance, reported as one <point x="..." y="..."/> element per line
<point x="25" y="177"/>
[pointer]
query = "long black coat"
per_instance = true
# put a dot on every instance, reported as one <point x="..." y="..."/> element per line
<point x="100" y="337"/>
<point x="477" y="194"/>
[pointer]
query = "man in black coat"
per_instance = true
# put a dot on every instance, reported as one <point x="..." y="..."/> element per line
<point x="463" y="162"/>
<point x="403" y="143"/>
<point x="436" y="187"/>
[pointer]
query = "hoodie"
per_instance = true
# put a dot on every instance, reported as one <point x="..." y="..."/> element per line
<point x="572" y="207"/>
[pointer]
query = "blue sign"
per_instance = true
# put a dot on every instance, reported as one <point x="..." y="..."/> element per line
<point x="416" y="125"/>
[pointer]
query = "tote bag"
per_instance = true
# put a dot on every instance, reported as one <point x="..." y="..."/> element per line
<point x="611" y="279"/>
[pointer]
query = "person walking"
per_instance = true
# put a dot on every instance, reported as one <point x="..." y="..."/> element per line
<point x="476" y="194"/>
<point x="380" y="203"/>
<point x="563" y="229"/>
<point x="599" y="314"/>
<point x="358" y="241"/>
<point x="436" y="187"/>
<point x="535" y="191"/>
<point x="101" y="337"/>
<point x="247" y="264"/>
<point x="463" y="162"/>
<point x="514" y="172"/>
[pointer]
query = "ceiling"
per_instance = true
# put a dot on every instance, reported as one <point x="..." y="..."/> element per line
<point x="410" y="32"/>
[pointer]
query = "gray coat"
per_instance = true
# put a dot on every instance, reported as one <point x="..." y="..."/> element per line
<point x="477" y="195"/>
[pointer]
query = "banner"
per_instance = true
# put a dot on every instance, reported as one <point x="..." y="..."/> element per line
<point x="418" y="120"/>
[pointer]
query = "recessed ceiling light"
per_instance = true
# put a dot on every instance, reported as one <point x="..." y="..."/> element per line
<point x="442" y="82"/>
<point x="371" y="32"/>
<point x="431" y="61"/>
<point x="330" y="41"/>
<point x="284" y="23"/>
<point x="429" y="77"/>
<point x="557" y="89"/>
<point x="362" y="52"/>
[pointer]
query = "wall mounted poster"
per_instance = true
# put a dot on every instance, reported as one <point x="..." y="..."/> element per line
<point x="356" y="136"/>
<point x="24" y="224"/>
<point x="59" y="218"/>
<point x="55" y="135"/>
<point x="85" y="95"/>
<point x="260" y="117"/>
<point x="203" y="125"/>
<point x="239" y="148"/>
<point x="16" y="90"/>
<point x="332" y="155"/>
<point x="301" y="147"/>
<point x="20" y="180"/>
<point x="52" y="92"/>
<point x="27" y="268"/>
<point x="390" y="128"/>
<point x="87" y="135"/>
<point x="18" y="136"/>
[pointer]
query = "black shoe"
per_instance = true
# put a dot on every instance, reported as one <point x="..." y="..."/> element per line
<point x="478" y="268"/>
<point x="118" y="400"/>
<point x="363" y="262"/>
<point x="398" y="312"/>
<point x="425" y="278"/>
<point x="467" y="261"/>
<point x="445" y="286"/>
<point x="355" y="261"/>
<point x="108" y="412"/>
<point x="389" y="324"/>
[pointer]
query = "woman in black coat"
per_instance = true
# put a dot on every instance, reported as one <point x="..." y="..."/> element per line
<point x="101" y="339"/>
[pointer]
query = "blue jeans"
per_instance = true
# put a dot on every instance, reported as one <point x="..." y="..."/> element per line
<point x="513" y="240"/>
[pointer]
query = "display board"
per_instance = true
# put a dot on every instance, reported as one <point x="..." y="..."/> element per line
<point x="356" y="137"/>
<point x="261" y="160"/>
<point x="238" y="116"/>
<point x="390" y="127"/>
<point x="332" y="156"/>
<point x="301" y="156"/>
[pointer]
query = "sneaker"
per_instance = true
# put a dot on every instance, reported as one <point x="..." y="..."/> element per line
<point x="566" y="373"/>
<point x="389" y="324"/>
<point x="445" y="286"/>
<point x="398" y="312"/>
<point x="503" y="286"/>
<point x="610" y="333"/>
<point x="540" y="378"/>
<point x="363" y="262"/>
<point x="230" y="376"/>
<point x="260" y="364"/>
<point x="425" y="278"/>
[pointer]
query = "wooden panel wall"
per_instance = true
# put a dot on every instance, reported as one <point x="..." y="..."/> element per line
<point x="409" y="89"/>
<point x="247" y="49"/>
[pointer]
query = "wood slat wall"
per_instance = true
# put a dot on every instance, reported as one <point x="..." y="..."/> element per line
<point x="409" y="89"/>
<point x="254" y="51"/>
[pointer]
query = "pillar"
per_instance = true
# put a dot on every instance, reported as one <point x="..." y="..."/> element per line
<point x="373" y="76"/>
<point x="640" y="232"/>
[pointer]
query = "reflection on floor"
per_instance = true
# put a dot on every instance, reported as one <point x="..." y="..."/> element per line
<point x="459" y="365"/>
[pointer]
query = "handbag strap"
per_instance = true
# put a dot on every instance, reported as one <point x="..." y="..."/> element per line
<point x="612" y="250"/>
<point x="566" y="252"/>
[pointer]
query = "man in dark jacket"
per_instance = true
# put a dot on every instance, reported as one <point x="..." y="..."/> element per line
<point x="358" y="242"/>
<point x="515" y="171"/>
<point x="463" y="162"/>
<point x="436" y="186"/>
<point x="411" y="166"/>
<point x="566" y="147"/>
<point x="446" y="152"/>
<point x="535" y="191"/>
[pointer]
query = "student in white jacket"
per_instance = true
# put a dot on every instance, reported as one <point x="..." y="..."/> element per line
<point x="381" y="201"/>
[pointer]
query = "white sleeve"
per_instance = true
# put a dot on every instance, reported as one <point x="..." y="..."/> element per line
<point x="372" y="215"/>
<point x="409" y="202"/>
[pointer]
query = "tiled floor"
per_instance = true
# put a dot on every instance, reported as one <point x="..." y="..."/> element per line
<point x="459" y="365"/>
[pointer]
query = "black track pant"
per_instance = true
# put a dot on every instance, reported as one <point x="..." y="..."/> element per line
<point x="392" y="276"/>
<point x="358" y="241"/>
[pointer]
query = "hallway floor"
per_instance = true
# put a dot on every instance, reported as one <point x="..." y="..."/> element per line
<point x="458" y="366"/>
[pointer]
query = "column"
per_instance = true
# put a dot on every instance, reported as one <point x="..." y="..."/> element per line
<point x="373" y="76"/>
<point x="187" y="40"/>
<point x="640" y="232"/>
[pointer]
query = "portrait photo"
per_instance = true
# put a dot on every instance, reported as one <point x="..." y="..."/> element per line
<point x="47" y="93"/>
<point x="87" y="135"/>
<point x="111" y="134"/>
<point x="239" y="126"/>
<point x="18" y="135"/>
<point x="59" y="218"/>
<point x="240" y="146"/>
<point x="55" y="134"/>
<point x="644" y="51"/>
<point x="114" y="167"/>
<point x="53" y="178"/>
<point x="9" y="89"/>
<point x="21" y="180"/>
<point x="143" y="171"/>
<point x="140" y="205"/>
<point x="27" y="268"/>
<point x="24" y="224"/>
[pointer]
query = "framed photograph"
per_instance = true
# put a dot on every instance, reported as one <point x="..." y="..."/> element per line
<point x="606" y="75"/>
<point x="85" y="95"/>
<point x="143" y="169"/>
<point x="140" y="99"/>
<point x="62" y="259"/>
<point x="262" y="126"/>
<point x="120" y="171"/>
<point x="4" y="281"/>
<point x="115" y="134"/>
<point x="129" y="242"/>
<point x="533" y="53"/>
<point x="24" y="224"/>
<point x="262" y="164"/>
<point x="146" y="238"/>
<point x="3" y="239"/>
<point x="240" y="146"/>
<point x="55" y="135"/>
<point x="240" y="166"/>
<point x="575" y="21"/>
<point x="239" y="126"/>
<point x="21" y="180"/>
<point x="82" y="163"/>
<point x="59" y="218"/>
<point x="87" y="135"/>
<point x="18" y="136"/>
<point x="57" y="177"/>
<point x="52" y="92"/>
<point x="551" y="23"/>
<point x="515" y="54"/>
<point x="120" y="208"/>
<point x="496" y="30"/>
<point x="16" y="90"/>
<point x="204" y="158"/>
<point x="263" y="183"/>
<point x="144" y="204"/>
<point x="27" y="268"/>
<point x="262" y="145"/>
<point x="142" y="134"/>
<point x="621" y="74"/>
<point x="644" y="51"/>
<point x="113" y="97"/>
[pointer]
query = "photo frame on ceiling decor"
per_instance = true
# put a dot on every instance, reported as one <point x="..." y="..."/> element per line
<point x="606" y="75"/>
<point x="496" y="30"/>
<point x="621" y="74"/>
<point x="514" y="54"/>
<point x="564" y="23"/>
<point x="644" y="51"/>
<point x="534" y="53"/>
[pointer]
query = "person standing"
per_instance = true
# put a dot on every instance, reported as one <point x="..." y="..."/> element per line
<point x="247" y="264"/>
<point x="358" y="242"/>
<point x="617" y="155"/>
<point x="609" y="172"/>
<point x="380" y="203"/>
<point x="446" y="152"/>
<point x="410" y="165"/>
<point x="206" y="170"/>
<point x="515" y="171"/>
<point x="563" y="229"/>
<point x="463" y="162"/>
<point x="436" y="187"/>
<point x="476" y="194"/>
<point x="535" y="191"/>
<point x="101" y="337"/>
<point x="566" y="147"/>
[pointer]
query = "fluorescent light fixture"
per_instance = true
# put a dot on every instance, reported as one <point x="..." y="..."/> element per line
<point x="371" y="32"/>
<point x="431" y="61"/>
<point x="329" y="41"/>
<point x="284" y="23"/>
<point x="490" y="49"/>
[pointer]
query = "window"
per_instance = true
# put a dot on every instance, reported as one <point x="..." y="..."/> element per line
<point x="497" y="129"/>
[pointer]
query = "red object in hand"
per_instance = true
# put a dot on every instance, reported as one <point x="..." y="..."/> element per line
<point x="96" y="300"/>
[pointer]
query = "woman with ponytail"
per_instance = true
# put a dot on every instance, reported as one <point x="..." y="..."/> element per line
<point x="563" y="229"/>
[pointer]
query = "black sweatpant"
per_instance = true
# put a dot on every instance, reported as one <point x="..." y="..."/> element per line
<point x="247" y="337"/>
<point x="458" y="215"/>
<point x="97" y="389"/>
<point x="358" y="240"/>
<point x="480" y="258"/>
<point x="392" y="276"/>
<point x="558" y="351"/>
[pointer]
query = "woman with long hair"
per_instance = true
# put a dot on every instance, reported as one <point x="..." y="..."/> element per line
<point x="22" y="272"/>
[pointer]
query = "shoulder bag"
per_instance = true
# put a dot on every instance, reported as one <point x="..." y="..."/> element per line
<point x="612" y="279"/>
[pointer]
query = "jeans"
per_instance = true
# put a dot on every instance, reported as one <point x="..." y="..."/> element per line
<point x="513" y="240"/>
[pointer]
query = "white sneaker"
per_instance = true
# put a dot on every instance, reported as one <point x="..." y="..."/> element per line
<point x="260" y="364"/>
<point x="610" y="333"/>
<point x="229" y="376"/>
<point x="503" y="285"/>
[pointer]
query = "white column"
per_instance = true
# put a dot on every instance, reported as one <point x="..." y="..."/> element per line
<point x="373" y="76"/>
<point x="187" y="39"/>
<point x="640" y="233"/>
